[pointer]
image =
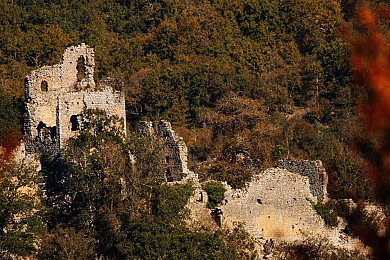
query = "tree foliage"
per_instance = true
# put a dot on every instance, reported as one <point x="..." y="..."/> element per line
<point x="21" y="212"/>
<point x="181" y="60"/>
<point x="105" y="194"/>
<point x="215" y="193"/>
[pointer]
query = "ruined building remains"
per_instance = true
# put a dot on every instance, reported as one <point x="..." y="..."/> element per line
<point x="278" y="204"/>
<point x="56" y="97"/>
<point x="313" y="170"/>
<point x="175" y="150"/>
<point x="275" y="204"/>
<point x="278" y="201"/>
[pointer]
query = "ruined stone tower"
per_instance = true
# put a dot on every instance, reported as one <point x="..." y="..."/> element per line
<point x="175" y="162"/>
<point x="56" y="97"/>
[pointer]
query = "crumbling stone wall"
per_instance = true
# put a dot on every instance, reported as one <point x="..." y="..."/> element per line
<point x="314" y="170"/>
<point x="56" y="97"/>
<point x="176" y="154"/>
<point x="277" y="204"/>
<point x="273" y="205"/>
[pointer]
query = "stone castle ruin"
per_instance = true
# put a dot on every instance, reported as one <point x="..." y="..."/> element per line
<point x="277" y="203"/>
<point x="274" y="205"/>
<point x="56" y="97"/>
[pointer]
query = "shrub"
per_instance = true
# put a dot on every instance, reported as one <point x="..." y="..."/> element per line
<point x="327" y="211"/>
<point x="215" y="192"/>
<point x="169" y="201"/>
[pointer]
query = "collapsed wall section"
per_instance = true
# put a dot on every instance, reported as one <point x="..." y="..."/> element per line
<point x="273" y="205"/>
<point x="74" y="72"/>
<point x="277" y="204"/>
<point x="315" y="172"/>
<point x="175" y="150"/>
<point x="177" y="154"/>
<point x="77" y="67"/>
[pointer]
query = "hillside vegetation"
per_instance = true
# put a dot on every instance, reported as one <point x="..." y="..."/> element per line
<point x="247" y="82"/>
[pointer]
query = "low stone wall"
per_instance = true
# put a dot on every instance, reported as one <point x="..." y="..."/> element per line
<point x="314" y="170"/>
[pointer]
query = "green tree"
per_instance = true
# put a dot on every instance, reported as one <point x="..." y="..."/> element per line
<point x="11" y="110"/>
<point x="90" y="172"/>
<point x="215" y="193"/>
<point x="21" y="211"/>
<point x="66" y="243"/>
<point x="169" y="202"/>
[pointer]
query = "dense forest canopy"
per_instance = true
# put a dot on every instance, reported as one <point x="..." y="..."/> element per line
<point x="245" y="82"/>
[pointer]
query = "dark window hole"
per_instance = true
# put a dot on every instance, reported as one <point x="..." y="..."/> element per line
<point x="44" y="86"/>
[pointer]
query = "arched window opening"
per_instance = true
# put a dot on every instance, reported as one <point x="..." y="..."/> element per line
<point x="44" y="86"/>
<point x="75" y="123"/>
<point x="80" y="68"/>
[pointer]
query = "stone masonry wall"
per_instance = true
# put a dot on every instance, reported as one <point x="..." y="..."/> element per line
<point x="63" y="77"/>
<point x="274" y="205"/>
<point x="56" y="96"/>
<point x="277" y="204"/>
<point x="176" y="157"/>
<point x="73" y="104"/>
<point x="175" y="149"/>
<point x="314" y="170"/>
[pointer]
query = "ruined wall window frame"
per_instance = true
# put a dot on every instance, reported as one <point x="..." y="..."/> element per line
<point x="44" y="86"/>
<point x="74" y="121"/>
<point x="81" y="69"/>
